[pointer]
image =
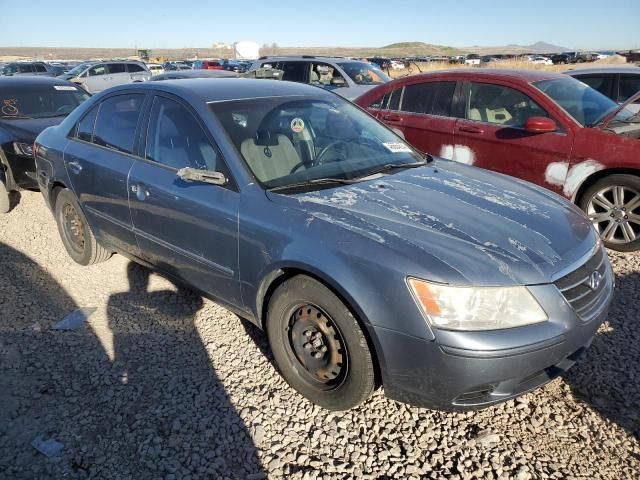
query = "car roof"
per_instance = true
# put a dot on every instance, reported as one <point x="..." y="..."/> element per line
<point x="492" y="74"/>
<point x="195" y="74"/>
<point x="30" y="81"/>
<point x="621" y="69"/>
<point x="222" y="89"/>
<point x="307" y="58"/>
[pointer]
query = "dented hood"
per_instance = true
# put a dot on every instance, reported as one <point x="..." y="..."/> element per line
<point x="465" y="225"/>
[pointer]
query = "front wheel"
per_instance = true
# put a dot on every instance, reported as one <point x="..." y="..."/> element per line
<point x="318" y="345"/>
<point x="613" y="206"/>
<point x="76" y="235"/>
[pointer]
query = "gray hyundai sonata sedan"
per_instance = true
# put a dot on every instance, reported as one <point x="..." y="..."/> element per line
<point x="367" y="263"/>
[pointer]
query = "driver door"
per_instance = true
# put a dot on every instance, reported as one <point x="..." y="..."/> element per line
<point x="96" y="80"/>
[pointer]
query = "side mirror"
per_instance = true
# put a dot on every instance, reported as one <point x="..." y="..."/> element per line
<point x="338" y="82"/>
<point x="540" y="125"/>
<point x="189" y="174"/>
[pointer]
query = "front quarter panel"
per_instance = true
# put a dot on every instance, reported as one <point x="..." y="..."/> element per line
<point x="273" y="237"/>
<point x="50" y="169"/>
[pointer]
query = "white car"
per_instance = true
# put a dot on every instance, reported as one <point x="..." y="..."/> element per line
<point x="97" y="76"/>
<point x="155" y="68"/>
<point x="396" y="65"/>
<point x="539" y="60"/>
<point x="472" y="60"/>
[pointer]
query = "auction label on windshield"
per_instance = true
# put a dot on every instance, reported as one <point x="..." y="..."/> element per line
<point x="68" y="88"/>
<point x="397" y="147"/>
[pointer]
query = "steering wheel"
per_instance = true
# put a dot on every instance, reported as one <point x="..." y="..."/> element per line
<point x="326" y="149"/>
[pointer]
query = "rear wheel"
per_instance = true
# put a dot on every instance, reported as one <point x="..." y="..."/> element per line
<point x="5" y="201"/>
<point x="318" y="345"/>
<point x="76" y="235"/>
<point x="613" y="206"/>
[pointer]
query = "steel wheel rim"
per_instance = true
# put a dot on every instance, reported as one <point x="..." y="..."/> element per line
<point x="314" y="343"/>
<point x="615" y="214"/>
<point x="73" y="227"/>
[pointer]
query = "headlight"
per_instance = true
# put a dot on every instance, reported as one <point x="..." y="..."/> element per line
<point x="24" y="149"/>
<point x="476" y="308"/>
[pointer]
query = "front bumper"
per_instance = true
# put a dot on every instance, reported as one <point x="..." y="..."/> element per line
<point x="471" y="370"/>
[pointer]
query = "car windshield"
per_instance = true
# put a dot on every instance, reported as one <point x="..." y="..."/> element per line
<point x="586" y="105"/>
<point x="364" y="74"/>
<point x="292" y="141"/>
<point x="49" y="101"/>
<point x="78" y="69"/>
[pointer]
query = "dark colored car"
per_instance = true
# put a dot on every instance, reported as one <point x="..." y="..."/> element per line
<point x="29" y="68"/>
<point x="365" y="262"/>
<point x="543" y="127"/>
<point x="561" y="59"/>
<point x="28" y="105"/>
<point x="617" y="83"/>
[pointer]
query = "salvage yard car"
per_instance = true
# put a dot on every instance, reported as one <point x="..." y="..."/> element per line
<point x="543" y="127"/>
<point x="366" y="262"/>
<point x="97" y="76"/>
<point x="344" y="76"/>
<point x="28" y="105"/>
<point x="617" y="83"/>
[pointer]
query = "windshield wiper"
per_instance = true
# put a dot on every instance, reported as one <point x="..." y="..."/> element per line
<point x="315" y="181"/>
<point x="393" y="166"/>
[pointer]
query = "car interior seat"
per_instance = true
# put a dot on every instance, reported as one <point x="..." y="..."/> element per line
<point x="270" y="156"/>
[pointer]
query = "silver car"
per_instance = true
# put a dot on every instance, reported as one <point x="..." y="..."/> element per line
<point x="97" y="76"/>
<point x="345" y="76"/>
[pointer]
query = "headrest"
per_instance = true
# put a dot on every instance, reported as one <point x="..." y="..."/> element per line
<point x="264" y="138"/>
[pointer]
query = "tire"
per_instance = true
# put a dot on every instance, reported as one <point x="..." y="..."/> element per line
<point x="5" y="200"/>
<point x="76" y="235"/>
<point x="613" y="205"/>
<point x="342" y="375"/>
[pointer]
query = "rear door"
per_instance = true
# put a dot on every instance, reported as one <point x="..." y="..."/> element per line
<point x="98" y="159"/>
<point x="118" y="74"/>
<point x="491" y="135"/>
<point x="137" y="72"/>
<point x="425" y="116"/>
<point x="189" y="229"/>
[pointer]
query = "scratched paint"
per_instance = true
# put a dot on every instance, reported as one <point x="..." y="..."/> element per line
<point x="578" y="174"/>
<point x="458" y="153"/>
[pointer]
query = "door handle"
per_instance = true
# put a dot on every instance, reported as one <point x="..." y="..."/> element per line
<point x="141" y="191"/>
<point x="75" y="167"/>
<point x="391" y="117"/>
<point x="470" y="129"/>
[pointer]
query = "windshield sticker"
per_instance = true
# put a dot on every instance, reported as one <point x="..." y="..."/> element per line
<point x="297" y="125"/>
<point x="66" y="88"/>
<point x="9" y="107"/>
<point x="397" y="147"/>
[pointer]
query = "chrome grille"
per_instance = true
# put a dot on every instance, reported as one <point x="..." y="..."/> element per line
<point x="586" y="301"/>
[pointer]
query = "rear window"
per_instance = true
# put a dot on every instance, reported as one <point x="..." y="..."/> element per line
<point x="116" y="68"/>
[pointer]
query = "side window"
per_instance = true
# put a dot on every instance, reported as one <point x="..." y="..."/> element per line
<point x="117" y="121"/>
<point x="394" y="99"/>
<point x="134" y="68"/>
<point x="601" y="83"/>
<point x="116" y="68"/>
<point x="176" y="139"/>
<point x="629" y="85"/>
<point x="443" y="99"/>
<point x="26" y="68"/>
<point x="97" y="70"/>
<point x="84" y="129"/>
<point x="40" y="68"/>
<point x="501" y="105"/>
<point x="294" y="71"/>
<point x="418" y="97"/>
<point x="380" y="102"/>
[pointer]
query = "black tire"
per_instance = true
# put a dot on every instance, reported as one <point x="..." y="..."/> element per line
<point x="630" y="184"/>
<point x="352" y="363"/>
<point x="75" y="232"/>
<point x="5" y="200"/>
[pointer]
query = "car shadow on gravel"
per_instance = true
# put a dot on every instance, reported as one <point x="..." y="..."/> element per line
<point x="608" y="379"/>
<point x="131" y="395"/>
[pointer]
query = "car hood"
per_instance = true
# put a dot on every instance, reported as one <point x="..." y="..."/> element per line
<point x="27" y="129"/>
<point x="467" y="225"/>
<point x="354" y="91"/>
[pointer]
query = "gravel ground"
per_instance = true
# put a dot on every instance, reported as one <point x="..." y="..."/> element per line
<point x="162" y="384"/>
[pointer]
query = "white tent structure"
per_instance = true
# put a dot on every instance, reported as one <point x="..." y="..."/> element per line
<point x="246" y="50"/>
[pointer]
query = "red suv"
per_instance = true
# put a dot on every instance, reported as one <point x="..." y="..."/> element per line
<point x="542" y="127"/>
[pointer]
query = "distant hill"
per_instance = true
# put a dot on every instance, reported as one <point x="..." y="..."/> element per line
<point x="538" y="47"/>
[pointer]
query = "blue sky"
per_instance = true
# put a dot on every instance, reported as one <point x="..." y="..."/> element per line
<point x="586" y="24"/>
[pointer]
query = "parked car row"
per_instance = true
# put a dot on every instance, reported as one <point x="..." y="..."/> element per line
<point x="368" y="260"/>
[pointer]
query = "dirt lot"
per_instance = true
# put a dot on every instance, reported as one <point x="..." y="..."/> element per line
<point x="162" y="384"/>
